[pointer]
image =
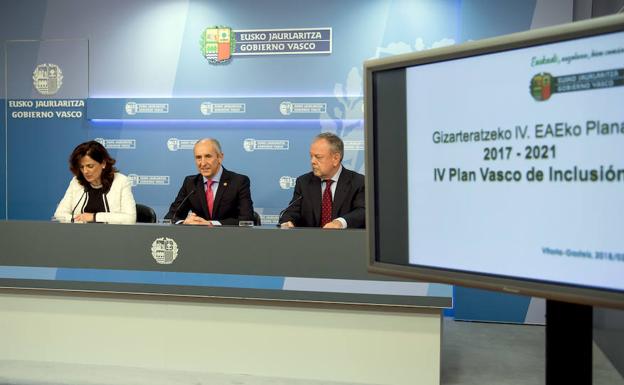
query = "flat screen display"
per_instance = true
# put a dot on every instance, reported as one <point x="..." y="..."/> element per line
<point x="507" y="163"/>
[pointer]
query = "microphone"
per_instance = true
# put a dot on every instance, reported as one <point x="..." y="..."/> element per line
<point x="173" y="217"/>
<point x="292" y="202"/>
<point x="79" y="200"/>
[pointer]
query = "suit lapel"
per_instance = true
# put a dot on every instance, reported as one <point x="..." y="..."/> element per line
<point x="315" y="193"/>
<point x="342" y="188"/>
<point x="224" y="183"/>
<point x="200" y="189"/>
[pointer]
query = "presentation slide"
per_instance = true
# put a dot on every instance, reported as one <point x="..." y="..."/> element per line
<point x="516" y="163"/>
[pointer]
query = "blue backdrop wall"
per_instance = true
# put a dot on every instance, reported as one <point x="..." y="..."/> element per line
<point x="135" y="76"/>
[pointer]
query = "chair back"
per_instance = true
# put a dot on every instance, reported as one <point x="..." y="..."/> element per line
<point x="145" y="214"/>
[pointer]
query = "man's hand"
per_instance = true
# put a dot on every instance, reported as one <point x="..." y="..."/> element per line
<point x="335" y="224"/>
<point x="287" y="225"/>
<point x="194" y="219"/>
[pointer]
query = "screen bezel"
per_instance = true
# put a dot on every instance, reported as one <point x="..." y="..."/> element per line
<point x="397" y="265"/>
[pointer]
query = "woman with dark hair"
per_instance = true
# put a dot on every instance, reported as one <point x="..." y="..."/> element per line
<point x="97" y="193"/>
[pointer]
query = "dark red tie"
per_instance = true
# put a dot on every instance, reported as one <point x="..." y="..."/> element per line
<point x="209" y="197"/>
<point x="326" y="204"/>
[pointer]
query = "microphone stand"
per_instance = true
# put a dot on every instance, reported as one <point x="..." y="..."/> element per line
<point x="292" y="202"/>
<point x="173" y="217"/>
<point x="74" y="209"/>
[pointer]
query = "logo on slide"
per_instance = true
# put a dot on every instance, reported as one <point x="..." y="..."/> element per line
<point x="164" y="250"/>
<point x="47" y="79"/>
<point x="217" y="44"/>
<point x="541" y="86"/>
<point x="544" y="85"/>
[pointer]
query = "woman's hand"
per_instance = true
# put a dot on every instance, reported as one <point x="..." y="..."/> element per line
<point x="84" y="217"/>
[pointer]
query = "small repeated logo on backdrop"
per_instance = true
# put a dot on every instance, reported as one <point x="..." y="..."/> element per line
<point x="148" y="180"/>
<point x="269" y="219"/>
<point x="217" y="44"/>
<point x="117" y="144"/>
<point x="175" y="144"/>
<point x="133" y="108"/>
<point x="134" y="179"/>
<point x="47" y="79"/>
<point x="208" y="108"/>
<point x="251" y="144"/>
<point x="286" y="108"/>
<point x="287" y="182"/>
<point x="164" y="250"/>
<point x="353" y="145"/>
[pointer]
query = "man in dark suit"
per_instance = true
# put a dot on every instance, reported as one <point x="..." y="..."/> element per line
<point x="330" y="196"/>
<point x="215" y="196"/>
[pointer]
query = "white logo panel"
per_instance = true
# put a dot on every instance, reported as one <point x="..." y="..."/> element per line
<point x="164" y="250"/>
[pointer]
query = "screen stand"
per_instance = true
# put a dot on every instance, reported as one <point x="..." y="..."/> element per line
<point x="569" y="329"/>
